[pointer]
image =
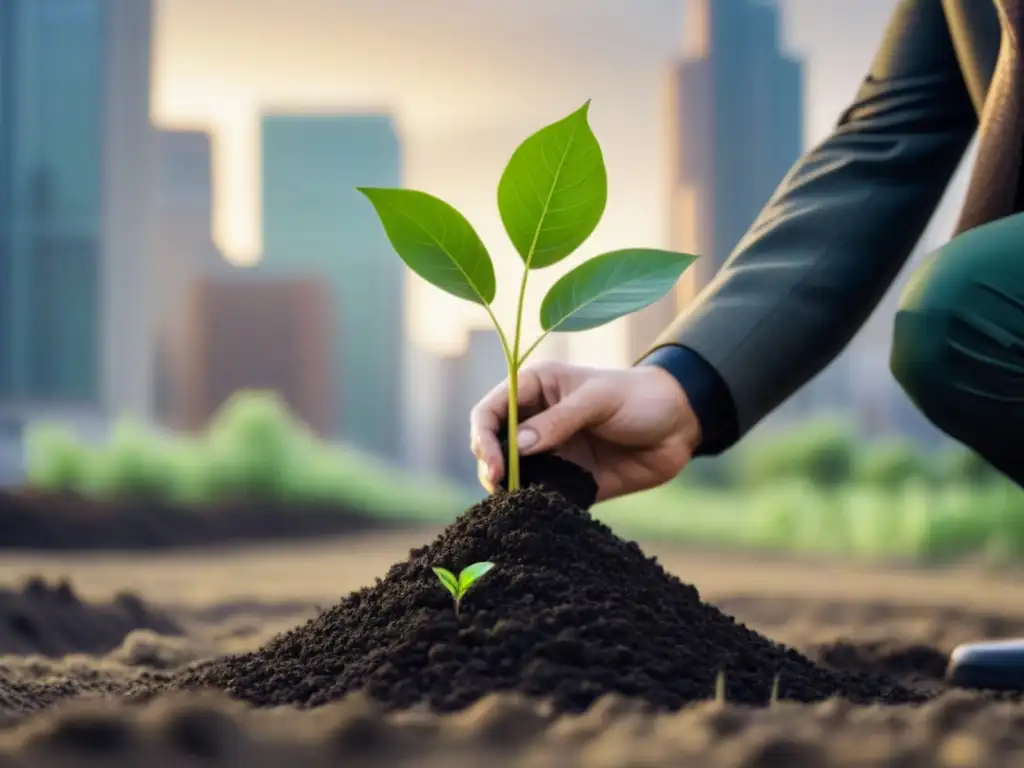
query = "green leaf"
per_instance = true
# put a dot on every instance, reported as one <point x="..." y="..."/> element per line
<point x="610" y="286"/>
<point x="436" y="242"/>
<point x="470" y="574"/>
<point x="448" y="579"/>
<point x="553" y="191"/>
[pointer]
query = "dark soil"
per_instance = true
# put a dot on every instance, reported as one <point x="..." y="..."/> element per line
<point x="913" y="663"/>
<point x="31" y="520"/>
<point x="508" y="732"/>
<point x="50" y="620"/>
<point x="570" y="613"/>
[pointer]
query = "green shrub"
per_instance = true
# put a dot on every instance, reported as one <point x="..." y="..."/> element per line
<point x="890" y="465"/>
<point x="822" y="453"/>
<point x="253" y="449"/>
<point x="55" y="458"/>
<point x="961" y="465"/>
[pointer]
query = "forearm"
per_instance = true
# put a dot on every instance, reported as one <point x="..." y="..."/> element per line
<point x="841" y="225"/>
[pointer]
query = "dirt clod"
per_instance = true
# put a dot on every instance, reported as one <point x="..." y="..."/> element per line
<point x="50" y="620"/>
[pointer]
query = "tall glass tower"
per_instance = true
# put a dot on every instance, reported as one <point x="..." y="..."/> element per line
<point x="74" y="152"/>
<point x="734" y="103"/>
<point x="315" y="221"/>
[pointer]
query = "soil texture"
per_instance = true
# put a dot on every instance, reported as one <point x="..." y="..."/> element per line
<point x="570" y="613"/>
<point x="32" y="520"/>
<point x="540" y="638"/>
<point x="51" y="620"/>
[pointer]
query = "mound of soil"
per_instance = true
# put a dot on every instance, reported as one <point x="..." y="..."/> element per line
<point x="570" y="613"/>
<point x="68" y="522"/>
<point x="50" y="620"/>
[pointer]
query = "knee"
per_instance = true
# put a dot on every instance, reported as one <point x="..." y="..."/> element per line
<point x="918" y="359"/>
<point x="921" y="351"/>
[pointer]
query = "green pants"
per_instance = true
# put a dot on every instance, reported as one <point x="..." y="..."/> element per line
<point x="958" y="345"/>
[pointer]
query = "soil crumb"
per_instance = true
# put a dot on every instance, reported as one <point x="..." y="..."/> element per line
<point x="570" y="613"/>
<point x="45" y="619"/>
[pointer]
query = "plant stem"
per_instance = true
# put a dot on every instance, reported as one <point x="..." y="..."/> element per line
<point x="513" y="427"/>
<point x="513" y="389"/>
<point x="513" y="401"/>
<point x="501" y="337"/>
<point x="532" y="347"/>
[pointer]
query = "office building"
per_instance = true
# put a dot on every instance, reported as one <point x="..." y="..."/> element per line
<point x="734" y="129"/>
<point x="254" y="332"/>
<point x="473" y="374"/>
<point x="429" y="378"/>
<point x="76" y="163"/>
<point x="184" y="250"/>
<point x="316" y="222"/>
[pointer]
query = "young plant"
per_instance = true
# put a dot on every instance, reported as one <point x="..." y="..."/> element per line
<point x="551" y="197"/>
<point x="460" y="585"/>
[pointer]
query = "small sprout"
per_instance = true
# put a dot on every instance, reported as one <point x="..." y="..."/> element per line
<point x="459" y="585"/>
<point x="720" y="687"/>
<point x="774" y="699"/>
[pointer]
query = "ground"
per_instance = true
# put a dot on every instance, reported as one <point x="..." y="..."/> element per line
<point x="227" y="600"/>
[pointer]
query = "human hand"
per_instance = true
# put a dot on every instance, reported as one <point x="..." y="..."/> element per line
<point x="633" y="429"/>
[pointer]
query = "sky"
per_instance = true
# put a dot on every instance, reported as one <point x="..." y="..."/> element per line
<point x="468" y="80"/>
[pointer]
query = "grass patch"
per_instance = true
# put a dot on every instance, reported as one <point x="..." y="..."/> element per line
<point x="253" y="449"/>
<point x="916" y="522"/>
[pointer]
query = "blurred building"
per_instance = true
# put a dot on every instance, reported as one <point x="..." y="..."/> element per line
<point x="555" y="348"/>
<point x="255" y="332"/>
<point x="473" y="374"/>
<point x="735" y="128"/>
<point x="184" y="250"/>
<point x="429" y="378"/>
<point x="76" y="171"/>
<point x="316" y="222"/>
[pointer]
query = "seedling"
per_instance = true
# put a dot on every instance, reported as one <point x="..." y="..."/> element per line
<point x="460" y="585"/>
<point x="551" y="197"/>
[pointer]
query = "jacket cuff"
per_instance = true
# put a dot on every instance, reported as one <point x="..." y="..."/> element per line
<point x="707" y="392"/>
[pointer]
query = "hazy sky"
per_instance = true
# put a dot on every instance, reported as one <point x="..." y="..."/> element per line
<point x="468" y="80"/>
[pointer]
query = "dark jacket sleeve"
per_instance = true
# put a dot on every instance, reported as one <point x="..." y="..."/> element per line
<point x="835" y="234"/>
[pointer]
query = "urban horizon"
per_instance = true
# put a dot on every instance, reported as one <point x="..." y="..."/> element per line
<point x="460" y="125"/>
<point x="264" y="267"/>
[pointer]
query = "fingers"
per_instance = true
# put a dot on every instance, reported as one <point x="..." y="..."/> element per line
<point x="549" y="429"/>
<point x="487" y="419"/>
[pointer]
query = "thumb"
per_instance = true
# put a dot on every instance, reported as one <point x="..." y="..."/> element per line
<point x="556" y="425"/>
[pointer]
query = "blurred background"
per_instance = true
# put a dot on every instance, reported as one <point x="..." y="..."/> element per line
<point x="179" y="226"/>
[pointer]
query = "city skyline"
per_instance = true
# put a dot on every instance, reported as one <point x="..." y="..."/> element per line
<point x="110" y="232"/>
<point x="77" y="156"/>
<point x="495" y="77"/>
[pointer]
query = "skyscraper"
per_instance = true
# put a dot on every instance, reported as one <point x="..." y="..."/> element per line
<point x="75" y="164"/>
<point x="184" y="250"/>
<point x="735" y="127"/>
<point x="429" y="377"/>
<point x="314" y="220"/>
<point x="480" y="368"/>
<point x="257" y="332"/>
